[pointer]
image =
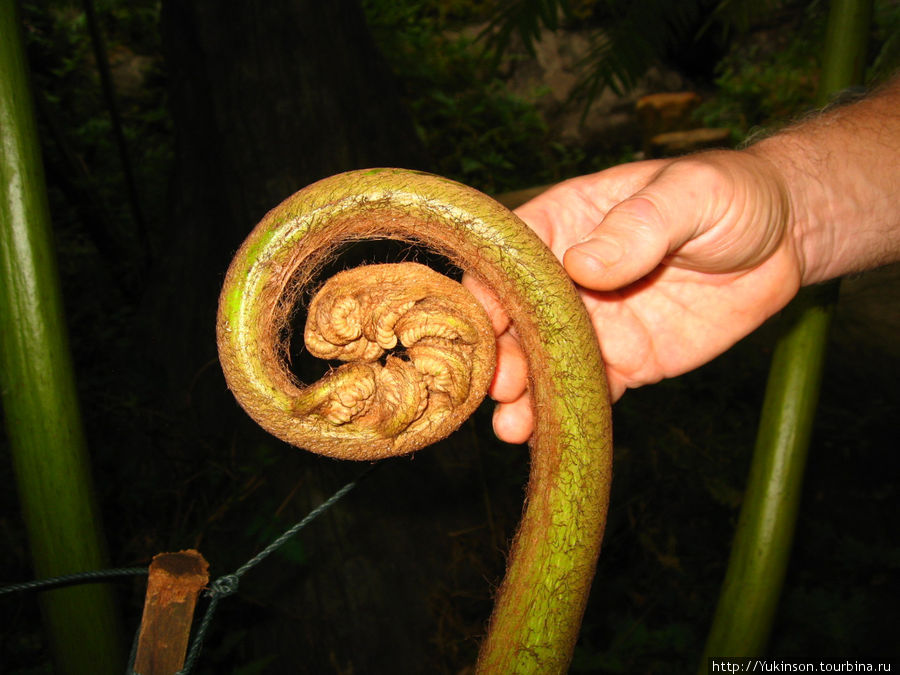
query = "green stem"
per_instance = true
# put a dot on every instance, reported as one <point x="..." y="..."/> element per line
<point x="38" y="389"/>
<point x="846" y="42"/>
<point x="765" y="530"/>
<point x="540" y="604"/>
<point x="764" y="535"/>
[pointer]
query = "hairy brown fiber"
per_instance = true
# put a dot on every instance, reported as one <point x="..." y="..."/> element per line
<point x="413" y="354"/>
<point x="380" y="404"/>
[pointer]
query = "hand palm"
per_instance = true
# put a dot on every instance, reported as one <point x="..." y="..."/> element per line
<point x="706" y="260"/>
<point x="672" y="321"/>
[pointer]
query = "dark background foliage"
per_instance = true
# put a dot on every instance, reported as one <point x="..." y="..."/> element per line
<point x="225" y="114"/>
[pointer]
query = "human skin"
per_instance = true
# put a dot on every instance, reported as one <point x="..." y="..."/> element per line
<point x="677" y="260"/>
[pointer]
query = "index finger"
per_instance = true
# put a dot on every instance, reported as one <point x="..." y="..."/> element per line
<point x="498" y="316"/>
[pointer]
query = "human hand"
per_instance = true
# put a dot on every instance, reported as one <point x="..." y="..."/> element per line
<point x="676" y="260"/>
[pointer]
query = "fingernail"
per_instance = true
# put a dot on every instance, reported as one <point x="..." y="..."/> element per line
<point x="605" y="251"/>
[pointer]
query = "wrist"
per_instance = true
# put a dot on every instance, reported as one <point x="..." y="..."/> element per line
<point x="792" y="164"/>
<point x="840" y="172"/>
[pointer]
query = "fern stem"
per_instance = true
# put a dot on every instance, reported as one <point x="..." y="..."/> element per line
<point x="539" y="607"/>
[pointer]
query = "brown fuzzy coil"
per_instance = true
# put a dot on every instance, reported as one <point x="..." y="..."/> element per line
<point x="418" y="353"/>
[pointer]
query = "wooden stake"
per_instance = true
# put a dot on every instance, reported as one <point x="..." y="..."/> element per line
<point x="175" y="581"/>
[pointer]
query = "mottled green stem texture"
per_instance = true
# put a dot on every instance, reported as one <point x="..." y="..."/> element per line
<point x="765" y="530"/>
<point x="539" y="606"/>
<point x="38" y="390"/>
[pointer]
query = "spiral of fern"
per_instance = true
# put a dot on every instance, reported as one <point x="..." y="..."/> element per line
<point x="415" y="354"/>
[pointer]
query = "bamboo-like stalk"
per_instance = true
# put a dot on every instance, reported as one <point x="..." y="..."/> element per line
<point x="38" y="389"/>
<point x="762" y="544"/>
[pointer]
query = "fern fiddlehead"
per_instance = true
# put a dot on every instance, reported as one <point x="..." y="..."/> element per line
<point x="379" y="404"/>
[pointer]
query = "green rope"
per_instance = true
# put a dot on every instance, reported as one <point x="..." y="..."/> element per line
<point x="220" y="588"/>
<point x="73" y="579"/>
<point x="228" y="584"/>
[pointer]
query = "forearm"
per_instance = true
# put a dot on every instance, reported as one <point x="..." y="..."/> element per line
<point x="842" y="175"/>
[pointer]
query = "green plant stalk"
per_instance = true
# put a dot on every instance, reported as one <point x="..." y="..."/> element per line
<point x="765" y="530"/>
<point x="846" y="42"/>
<point x="539" y="607"/>
<point x="38" y="390"/>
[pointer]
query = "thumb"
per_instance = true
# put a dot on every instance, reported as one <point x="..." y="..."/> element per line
<point x="638" y="233"/>
<point x="629" y="243"/>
